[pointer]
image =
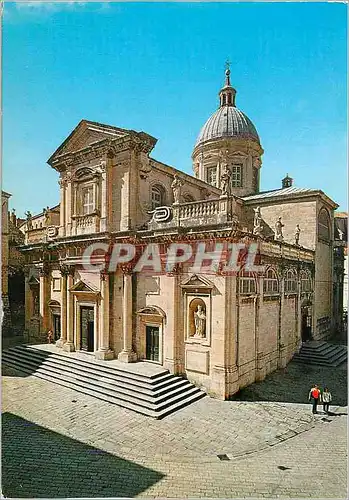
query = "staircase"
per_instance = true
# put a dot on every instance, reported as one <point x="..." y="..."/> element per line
<point x="154" y="395"/>
<point x="322" y="354"/>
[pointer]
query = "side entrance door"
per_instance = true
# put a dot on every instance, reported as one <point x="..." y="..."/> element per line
<point x="87" y="328"/>
<point x="56" y="326"/>
<point x="152" y="343"/>
<point x="306" y="325"/>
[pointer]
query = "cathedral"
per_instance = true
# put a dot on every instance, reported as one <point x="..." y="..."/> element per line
<point x="220" y="330"/>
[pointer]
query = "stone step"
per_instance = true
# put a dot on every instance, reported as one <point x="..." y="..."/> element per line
<point x="329" y="357"/>
<point x="144" y="396"/>
<point x="138" y="382"/>
<point x="323" y="350"/>
<point x="322" y="354"/>
<point x="90" y="362"/>
<point x="151" y="399"/>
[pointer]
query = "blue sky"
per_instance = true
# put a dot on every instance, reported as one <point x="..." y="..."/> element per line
<point x="158" y="67"/>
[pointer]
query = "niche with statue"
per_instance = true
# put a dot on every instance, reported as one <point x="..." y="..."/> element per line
<point x="198" y="319"/>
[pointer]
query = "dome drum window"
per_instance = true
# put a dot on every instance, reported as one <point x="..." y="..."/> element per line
<point x="211" y="177"/>
<point x="236" y="175"/>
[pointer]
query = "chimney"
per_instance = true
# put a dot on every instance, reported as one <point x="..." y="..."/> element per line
<point x="287" y="182"/>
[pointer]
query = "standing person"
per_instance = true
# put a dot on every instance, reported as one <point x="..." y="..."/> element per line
<point x="315" y="397"/>
<point x="49" y="336"/>
<point x="326" y="399"/>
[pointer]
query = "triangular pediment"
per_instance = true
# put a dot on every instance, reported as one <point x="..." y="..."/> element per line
<point x="82" y="286"/>
<point x="197" y="282"/>
<point x="33" y="280"/>
<point x="86" y="134"/>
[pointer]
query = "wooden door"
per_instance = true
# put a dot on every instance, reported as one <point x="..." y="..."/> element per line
<point x="87" y="328"/>
<point x="152" y="343"/>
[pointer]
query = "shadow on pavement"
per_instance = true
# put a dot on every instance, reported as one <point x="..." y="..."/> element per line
<point x="40" y="463"/>
<point x="292" y="385"/>
<point x="35" y="362"/>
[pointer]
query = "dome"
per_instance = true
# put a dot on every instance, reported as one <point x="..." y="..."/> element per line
<point x="227" y="121"/>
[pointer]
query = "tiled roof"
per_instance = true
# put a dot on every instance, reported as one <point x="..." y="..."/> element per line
<point x="280" y="192"/>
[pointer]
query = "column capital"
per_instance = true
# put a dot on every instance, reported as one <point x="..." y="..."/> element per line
<point x="44" y="270"/>
<point x="126" y="269"/>
<point x="177" y="270"/>
<point x="66" y="270"/>
<point x="104" y="275"/>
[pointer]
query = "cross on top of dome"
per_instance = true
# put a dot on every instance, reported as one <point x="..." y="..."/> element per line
<point x="227" y="93"/>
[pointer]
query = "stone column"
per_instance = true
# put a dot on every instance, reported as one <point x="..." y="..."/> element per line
<point x="127" y="355"/>
<point x="44" y="298"/>
<point x="63" y="337"/>
<point x="104" y="351"/>
<point x="69" y="344"/>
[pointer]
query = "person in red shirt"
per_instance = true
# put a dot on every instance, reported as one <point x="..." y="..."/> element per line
<point x="315" y="397"/>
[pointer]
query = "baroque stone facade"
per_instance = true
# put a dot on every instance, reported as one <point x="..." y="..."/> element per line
<point x="221" y="330"/>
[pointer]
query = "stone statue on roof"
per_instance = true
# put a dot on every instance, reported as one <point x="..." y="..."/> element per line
<point x="176" y="188"/>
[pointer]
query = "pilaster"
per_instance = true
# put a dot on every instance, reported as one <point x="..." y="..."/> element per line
<point x="44" y="273"/>
<point x="69" y="344"/>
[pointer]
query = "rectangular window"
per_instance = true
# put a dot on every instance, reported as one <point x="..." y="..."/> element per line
<point x="212" y="176"/>
<point x="56" y="284"/>
<point x="236" y="175"/>
<point x="87" y="200"/>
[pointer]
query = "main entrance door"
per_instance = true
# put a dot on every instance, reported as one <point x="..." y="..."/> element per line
<point x="87" y="328"/>
<point x="152" y="343"/>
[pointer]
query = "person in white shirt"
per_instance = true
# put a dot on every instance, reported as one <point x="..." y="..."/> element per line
<point x="326" y="399"/>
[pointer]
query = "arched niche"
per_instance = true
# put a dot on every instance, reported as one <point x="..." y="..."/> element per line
<point x="197" y="318"/>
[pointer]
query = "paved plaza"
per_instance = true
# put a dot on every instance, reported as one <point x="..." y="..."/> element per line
<point x="60" y="443"/>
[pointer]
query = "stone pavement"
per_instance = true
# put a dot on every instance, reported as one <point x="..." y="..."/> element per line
<point x="57" y="443"/>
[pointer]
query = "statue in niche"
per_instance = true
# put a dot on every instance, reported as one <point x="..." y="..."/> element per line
<point x="225" y="181"/>
<point x="176" y="188"/>
<point x="257" y="223"/>
<point x="297" y="234"/>
<point x="200" y="322"/>
<point x="278" y="230"/>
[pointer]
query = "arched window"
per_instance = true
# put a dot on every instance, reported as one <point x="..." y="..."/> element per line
<point x="270" y="282"/>
<point x="305" y="281"/>
<point x="324" y="225"/>
<point x="157" y="196"/>
<point x="290" y="282"/>
<point x="247" y="283"/>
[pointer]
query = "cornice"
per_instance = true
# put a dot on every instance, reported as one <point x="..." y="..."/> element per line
<point x="137" y="142"/>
